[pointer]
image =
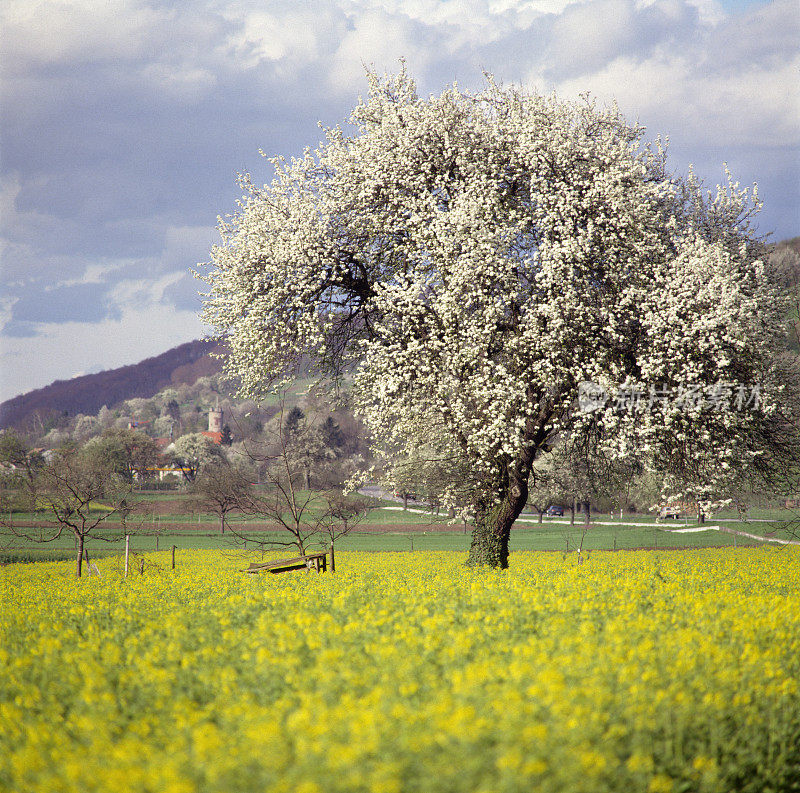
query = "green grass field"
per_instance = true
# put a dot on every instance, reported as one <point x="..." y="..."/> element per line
<point x="167" y="519"/>
<point x="406" y="531"/>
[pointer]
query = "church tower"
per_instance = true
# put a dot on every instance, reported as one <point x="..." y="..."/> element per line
<point x="215" y="419"/>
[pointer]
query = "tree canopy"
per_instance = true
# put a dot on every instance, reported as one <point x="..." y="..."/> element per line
<point x="194" y="451"/>
<point x="125" y="451"/>
<point x="473" y="258"/>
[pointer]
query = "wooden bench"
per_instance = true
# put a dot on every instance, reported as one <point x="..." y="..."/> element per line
<point x="312" y="561"/>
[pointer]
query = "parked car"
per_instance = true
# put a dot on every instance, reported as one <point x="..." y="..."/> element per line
<point x="670" y="511"/>
<point x="553" y="511"/>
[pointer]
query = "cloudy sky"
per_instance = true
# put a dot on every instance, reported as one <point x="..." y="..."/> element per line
<point x="125" y="122"/>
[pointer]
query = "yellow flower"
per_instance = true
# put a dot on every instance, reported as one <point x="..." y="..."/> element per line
<point x="660" y="784"/>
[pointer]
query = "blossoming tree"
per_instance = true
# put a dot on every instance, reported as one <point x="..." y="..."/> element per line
<point x="471" y="258"/>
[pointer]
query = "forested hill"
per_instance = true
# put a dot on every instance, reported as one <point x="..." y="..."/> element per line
<point x="88" y="393"/>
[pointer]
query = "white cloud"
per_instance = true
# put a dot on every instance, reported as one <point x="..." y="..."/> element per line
<point x="470" y="14"/>
<point x="185" y="246"/>
<point x="6" y="306"/>
<point x="93" y="274"/>
<point x="16" y="224"/>
<point x="9" y="190"/>
<point x="142" y="294"/>
<point x="296" y="34"/>
<point x="380" y="39"/>
<point x="48" y="32"/>
<point x="587" y="36"/>
<point x="752" y="107"/>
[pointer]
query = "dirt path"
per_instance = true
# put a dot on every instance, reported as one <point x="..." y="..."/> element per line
<point x="760" y="538"/>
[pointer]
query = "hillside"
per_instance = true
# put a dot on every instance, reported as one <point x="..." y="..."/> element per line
<point x="88" y="393"/>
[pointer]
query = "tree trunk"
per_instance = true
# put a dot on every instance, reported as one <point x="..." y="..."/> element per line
<point x="492" y="528"/>
<point x="222" y="523"/>
<point x="572" y="513"/>
<point x="587" y="518"/>
<point x="79" y="564"/>
<point x="541" y="515"/>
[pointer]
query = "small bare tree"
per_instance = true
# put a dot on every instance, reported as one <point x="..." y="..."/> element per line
<point x="221" y="488"/>
<point x="302" y="516"/>
<point x="342" y="514"/>
<point x="71" y="493"/>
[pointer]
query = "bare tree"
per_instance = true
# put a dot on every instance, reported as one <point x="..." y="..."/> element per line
<point x="222" y="489"/>
<point x="72" y="493"/>
<point x="302" y="516"/>
<point x="342" y="514"/>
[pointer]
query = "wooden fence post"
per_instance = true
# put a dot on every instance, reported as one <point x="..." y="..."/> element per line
<point x="127" y="552"/>
<point x="173" y="556"/>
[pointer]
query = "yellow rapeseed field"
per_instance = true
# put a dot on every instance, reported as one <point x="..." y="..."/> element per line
<point x="634" y="671"/>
